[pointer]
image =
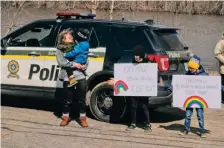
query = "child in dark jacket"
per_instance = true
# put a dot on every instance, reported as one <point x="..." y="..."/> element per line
<point x="194" y="69"/>
<point x="139" y="56"/>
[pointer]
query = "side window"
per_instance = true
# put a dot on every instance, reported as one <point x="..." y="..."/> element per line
<point x="98" y="36"/>
<point x="101" y="33"/>
<point x="128" y="38"/>
<point x="37" y="35"/>
<point x="153" y="41"/>
<point x="93" y="39"/>
<point x="74" y="29"/>
<point x="114" y="51"/>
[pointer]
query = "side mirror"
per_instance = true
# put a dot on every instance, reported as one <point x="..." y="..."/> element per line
<point x="3" y="43"/>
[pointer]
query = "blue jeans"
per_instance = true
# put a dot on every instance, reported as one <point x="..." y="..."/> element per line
<point x="200" y="115"/>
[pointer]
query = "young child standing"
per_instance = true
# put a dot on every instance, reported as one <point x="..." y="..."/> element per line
<point x="194" y="68"/>
<point x="139" y="56"/>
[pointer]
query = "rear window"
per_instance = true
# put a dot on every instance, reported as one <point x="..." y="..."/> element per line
<point x="169" y="39"/>
<point x="128" y="38"/>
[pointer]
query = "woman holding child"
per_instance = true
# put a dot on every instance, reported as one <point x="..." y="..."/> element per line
<point x="73" y="62"/>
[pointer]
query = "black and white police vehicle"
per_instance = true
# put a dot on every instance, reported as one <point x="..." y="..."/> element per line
<point x="29" y="66"/>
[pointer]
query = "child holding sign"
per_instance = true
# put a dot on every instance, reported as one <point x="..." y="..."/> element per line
<point x="139" y="57"/>
<point x="194" y="69"/>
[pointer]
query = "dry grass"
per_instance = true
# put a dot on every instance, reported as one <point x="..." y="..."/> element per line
<point x="188" y="7"/>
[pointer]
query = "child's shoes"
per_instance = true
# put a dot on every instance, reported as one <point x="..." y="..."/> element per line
<point x="72" y="81"/>
<point x="184" y="132"/>
<point x="147" y="128"/>
<point x="131" y="127"/>
<point x="201" y="134"/>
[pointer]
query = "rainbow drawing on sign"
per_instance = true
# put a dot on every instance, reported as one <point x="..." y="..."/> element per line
<point x="195" y="102"/>
<point x="120" y="86"/>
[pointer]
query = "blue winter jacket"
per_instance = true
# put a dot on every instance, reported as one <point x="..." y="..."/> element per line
<point x="80" y="53"/>
<point x="200" y="71"/>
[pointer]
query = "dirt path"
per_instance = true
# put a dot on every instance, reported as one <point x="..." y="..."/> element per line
<point x="38" y="128"/>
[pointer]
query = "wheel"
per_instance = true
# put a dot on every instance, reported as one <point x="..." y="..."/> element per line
<point x="104" y="106"/>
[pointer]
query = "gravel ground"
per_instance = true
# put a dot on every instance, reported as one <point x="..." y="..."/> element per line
<point x="33" y="124"/>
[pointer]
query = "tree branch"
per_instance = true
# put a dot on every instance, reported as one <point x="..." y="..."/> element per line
<point x="15" y="14"/>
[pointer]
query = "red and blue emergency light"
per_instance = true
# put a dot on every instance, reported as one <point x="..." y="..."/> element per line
<point x="75" y="14"/>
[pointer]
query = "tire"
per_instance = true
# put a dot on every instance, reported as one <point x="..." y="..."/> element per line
<point x="104" y="106"/>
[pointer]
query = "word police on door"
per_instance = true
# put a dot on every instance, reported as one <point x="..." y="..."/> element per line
<point x="44" y="73"/>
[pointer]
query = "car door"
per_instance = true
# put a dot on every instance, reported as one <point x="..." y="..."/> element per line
<point x="97" y="49"/>
<point x="22" y="59"/>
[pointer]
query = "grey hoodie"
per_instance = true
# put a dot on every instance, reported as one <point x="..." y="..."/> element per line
<point x="62" y="62"/>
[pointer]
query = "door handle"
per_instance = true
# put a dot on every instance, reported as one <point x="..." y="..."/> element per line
<point x="92" y="55"/>
<point x="34" y="54"/>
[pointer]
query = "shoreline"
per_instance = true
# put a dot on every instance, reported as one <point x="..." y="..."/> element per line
<point x="215" y="8"/>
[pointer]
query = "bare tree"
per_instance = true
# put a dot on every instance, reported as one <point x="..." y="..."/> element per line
<point x="15" y="16"/>
<point x="111" y="9"/>
<point x="95" y="4"/>
<point x="119" y="7"/>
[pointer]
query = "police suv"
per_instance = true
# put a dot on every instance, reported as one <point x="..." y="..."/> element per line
<point x="29" y="66"/>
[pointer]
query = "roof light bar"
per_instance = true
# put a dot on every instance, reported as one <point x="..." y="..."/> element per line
<point x="77" y="15"/>
<point x="67" y="14"/>
<point x="87" y="14"/>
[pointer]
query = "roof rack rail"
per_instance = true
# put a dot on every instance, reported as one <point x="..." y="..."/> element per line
<point x="67" y="15"/>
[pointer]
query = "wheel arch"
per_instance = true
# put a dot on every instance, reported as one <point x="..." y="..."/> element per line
<point x="99" y="77"/>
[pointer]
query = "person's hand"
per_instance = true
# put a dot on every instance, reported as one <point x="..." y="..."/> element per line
<point x="77" y="65"/>
<point x="83" y="67"/>
<point x="111" y="81"/>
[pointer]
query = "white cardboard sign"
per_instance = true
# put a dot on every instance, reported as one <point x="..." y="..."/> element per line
<point x="135" y="79"/>
<point x="196" y="91"/>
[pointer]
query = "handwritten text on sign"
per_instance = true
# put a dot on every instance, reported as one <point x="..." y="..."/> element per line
<point x="196" y="91"/>
<point x="135" y="79"/>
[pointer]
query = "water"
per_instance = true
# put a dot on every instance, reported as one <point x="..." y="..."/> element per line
<point x="200" y="32"/>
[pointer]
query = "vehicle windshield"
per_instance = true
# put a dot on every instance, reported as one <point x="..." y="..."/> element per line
<point x="169" y="39"/>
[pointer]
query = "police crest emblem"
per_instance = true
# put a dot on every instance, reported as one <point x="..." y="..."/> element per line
<point x="13" y="68"/>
